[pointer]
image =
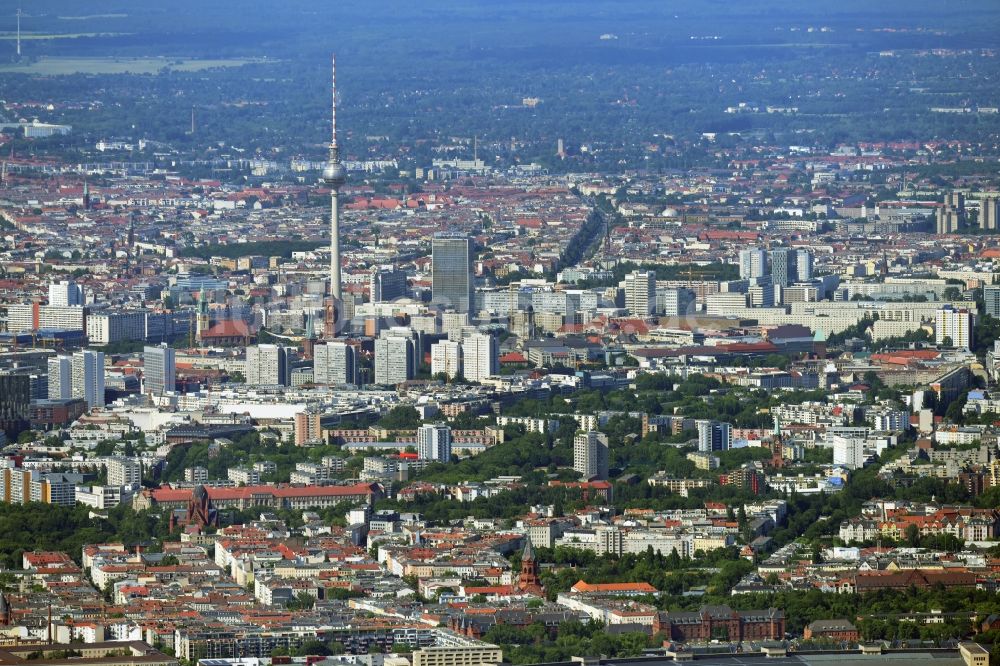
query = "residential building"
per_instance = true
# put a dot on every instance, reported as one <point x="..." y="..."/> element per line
<point x="124" y="472"/>
<point x="954" y="327"/>
<point x="395" y="360"/>
<point x="591" y="455"/>
<point x="480" y="357"/>
<point x="267" y="365"/>
<point x="640" y="293"/>
<point x="714" y="435"/>
<point x="335" y="363"/>
<point x="446" y="357"/>
<point x="88" y="377"/>
<point x="753" y="263"/>
<point x="434" y="442"/>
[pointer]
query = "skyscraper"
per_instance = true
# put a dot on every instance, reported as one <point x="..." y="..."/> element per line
<point x="267" y="365"/>
<point x="434" y="442"/>
<point x="753" y="263"/>
<point x="335" y="363"/>
<point x="159" y="373"/>
<point x="590" y="455"/>
<point x="783" y="267"/>
<point x="480" y="357"/>
<point x="387" y="283"/>
<point x="88" y="377"/>
<point x="451" y="271"/>
<point x="791" y="265"/>
<point x="714" y="435"/>
<point x="334" y="176"/>
<point x="640" y="293"/>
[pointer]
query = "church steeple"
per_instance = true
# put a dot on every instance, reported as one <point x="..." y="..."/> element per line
<point x="529" y="580"/>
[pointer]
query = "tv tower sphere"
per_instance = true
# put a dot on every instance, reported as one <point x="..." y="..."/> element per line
<point x="334" y="174"/>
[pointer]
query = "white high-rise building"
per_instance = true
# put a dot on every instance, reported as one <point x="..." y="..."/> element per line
<point x="955" y="324"/>
<point x="640" y="293"/>
<point x="60" y="377"/>
<point x="480" y="357"/>
<point x="591" y="455"/>
<point x="714" y="435"/>
<point x="267" y="365"/>
<point x="124" y="472"/>
<point x="848" y="451"/>
<point x="434" y="442"/>
<point x="446" y="357"/>
<point x="753" y="263"/>
<point x="65" y="294"/>
<point x="335" y="363"/>
<point x="88" y="377"/>
<point x="395" y="360"/>
<point x="803" y="265"/>
<point x="159" y="374"/>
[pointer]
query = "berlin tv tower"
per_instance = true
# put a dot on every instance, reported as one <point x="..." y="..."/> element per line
<point x="334" y="175"/>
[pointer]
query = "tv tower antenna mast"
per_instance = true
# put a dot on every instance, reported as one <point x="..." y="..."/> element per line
<point x="334" y="176"/>
<point x="19" y="32"/>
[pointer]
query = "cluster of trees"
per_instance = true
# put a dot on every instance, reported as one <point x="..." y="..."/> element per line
<point x="37" y="526"/>
<point x="246" y="450"/>
<point x="538" y="644"/>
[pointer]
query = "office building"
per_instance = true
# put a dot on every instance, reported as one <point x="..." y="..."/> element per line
<point x="446" y="357"/>
<point x="480" y="357"/>
<point x="714" y="435"/>
<point x="60" y="378"/>
<point x="789" y="266"/>
<point x="395" y="359"/>
<point x="335" y="363"/>
<point x="434" y="442"/>
<point x="991" y="297"/>
<point x="65" y="293"/>
<point x="88" y="377"/>
<point x="640" y="293"/>
<point x="159" y="373"/>
<point x="124" y="472"/>
<point x="953" y="327"/>
<point x="753" y="263"/>
<point x="386" y="283"/>
<point x="761" y="295"/>
<point x="15" y="403"/>
<point x="591" y="455"/>
<point x="267" y="365"/>
<point x="803" y="265"/>
<point x="451" y="271"/>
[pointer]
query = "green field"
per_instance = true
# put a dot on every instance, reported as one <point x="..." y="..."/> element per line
<point x="62" y="66"/>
